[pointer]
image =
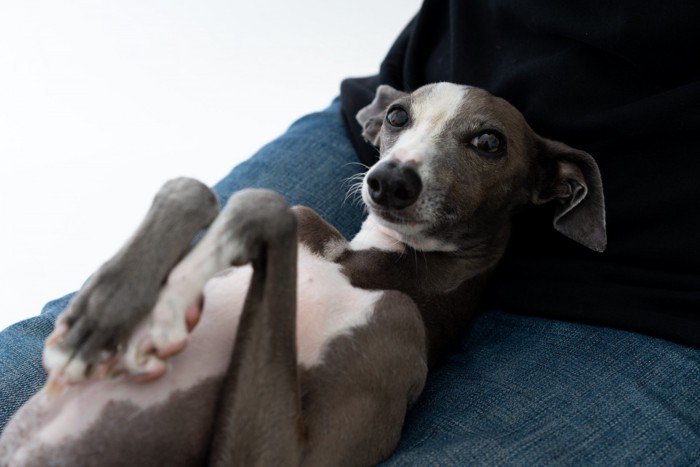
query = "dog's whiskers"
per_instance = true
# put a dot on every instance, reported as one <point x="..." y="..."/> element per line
<point x="354" y="193"/>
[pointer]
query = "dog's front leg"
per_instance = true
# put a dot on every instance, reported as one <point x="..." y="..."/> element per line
<point x="260" y="419"/>
<point x="101" y="317"/>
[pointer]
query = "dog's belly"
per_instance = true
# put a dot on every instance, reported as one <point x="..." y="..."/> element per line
<point x="327" y="305"/>
<point x="100" y="418"/>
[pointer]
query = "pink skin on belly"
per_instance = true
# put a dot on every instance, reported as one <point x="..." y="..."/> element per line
<point x="328" y="306"/>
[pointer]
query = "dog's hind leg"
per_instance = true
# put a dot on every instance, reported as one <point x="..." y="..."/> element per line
<point x="260" y="420"/>
<point x="101" y="317"/>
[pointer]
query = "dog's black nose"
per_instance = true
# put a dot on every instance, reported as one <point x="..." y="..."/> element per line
<point x="394" y="185"/>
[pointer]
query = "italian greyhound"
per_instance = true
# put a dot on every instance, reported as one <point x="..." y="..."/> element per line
<point x="333" y="339"/>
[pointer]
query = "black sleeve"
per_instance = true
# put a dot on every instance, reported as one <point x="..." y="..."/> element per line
<point x="356" y="93"/>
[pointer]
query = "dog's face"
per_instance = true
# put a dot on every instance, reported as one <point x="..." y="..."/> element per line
<point x="456" y="162"/>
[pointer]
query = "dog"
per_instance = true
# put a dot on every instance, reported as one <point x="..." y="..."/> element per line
<point x="333" y="338"/>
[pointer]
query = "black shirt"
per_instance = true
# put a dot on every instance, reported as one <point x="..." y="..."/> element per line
<point x="620" y="80"/>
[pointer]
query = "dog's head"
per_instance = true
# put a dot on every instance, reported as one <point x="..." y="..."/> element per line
<point x="456" y="162"/>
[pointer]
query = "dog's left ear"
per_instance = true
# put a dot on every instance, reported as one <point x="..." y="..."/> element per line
<point x="371" y="117"/>
<point x="571" y="179"/>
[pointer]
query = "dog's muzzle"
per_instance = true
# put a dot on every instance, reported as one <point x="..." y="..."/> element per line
<point x="394" y="185"/>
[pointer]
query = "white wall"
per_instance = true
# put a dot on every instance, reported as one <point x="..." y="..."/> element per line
<point x="101" y="102"/>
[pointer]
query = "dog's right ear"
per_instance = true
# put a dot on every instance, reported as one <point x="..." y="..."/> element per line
<point x="371" y="117"/>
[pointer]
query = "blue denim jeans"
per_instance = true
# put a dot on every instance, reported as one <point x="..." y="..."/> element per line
<point x="519" y="391"/>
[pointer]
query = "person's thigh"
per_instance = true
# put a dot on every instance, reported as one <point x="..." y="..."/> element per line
<point x="529" y="391"/>
<point x="313" y="164"/>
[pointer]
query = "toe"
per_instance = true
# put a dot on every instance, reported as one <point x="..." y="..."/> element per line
<point x="192" y="315"/>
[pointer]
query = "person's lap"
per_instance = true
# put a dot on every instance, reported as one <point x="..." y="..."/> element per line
<point x="530" y="391"/>
<point x="519" y="390"/>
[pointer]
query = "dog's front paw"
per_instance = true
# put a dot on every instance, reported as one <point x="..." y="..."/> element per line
<point x="95" y="329"/>
<point x="163" y="334"/>
<point x="176" y="313"/>
<point x="96" y="326"/>
<point x="173" y="317"/>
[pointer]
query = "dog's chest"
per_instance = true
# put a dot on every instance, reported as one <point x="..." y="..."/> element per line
<point x="327" y="304"/>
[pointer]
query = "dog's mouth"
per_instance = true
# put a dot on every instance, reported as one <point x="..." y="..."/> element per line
<point x="413" y="223"/>
<point x="398" y="217"/>
<point x="411" y="230"/>
<point x="405" y="223"/>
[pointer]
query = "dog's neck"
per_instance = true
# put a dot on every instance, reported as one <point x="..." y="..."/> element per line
<point x="474" y="254"/>
<point x="445" y="285"/>
<point x="376" y="259"/>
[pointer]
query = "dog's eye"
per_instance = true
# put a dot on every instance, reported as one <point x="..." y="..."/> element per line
<point x="488" y="142"/>
<point x="397" y="117"/>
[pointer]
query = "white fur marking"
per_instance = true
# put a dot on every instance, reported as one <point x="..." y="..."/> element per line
<point x="430" y="114"/>
<point x="374" y="235"/>
<point x="328" y="306"/>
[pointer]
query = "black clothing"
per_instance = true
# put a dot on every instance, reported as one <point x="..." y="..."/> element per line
<point x="620" y="80"/>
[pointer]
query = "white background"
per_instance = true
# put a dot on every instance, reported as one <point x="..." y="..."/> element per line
<point x="101" y="102"/>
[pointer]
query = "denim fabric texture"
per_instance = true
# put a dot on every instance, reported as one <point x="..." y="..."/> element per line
<point x="519" y="391"/>
<point x="526" y="391"/>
